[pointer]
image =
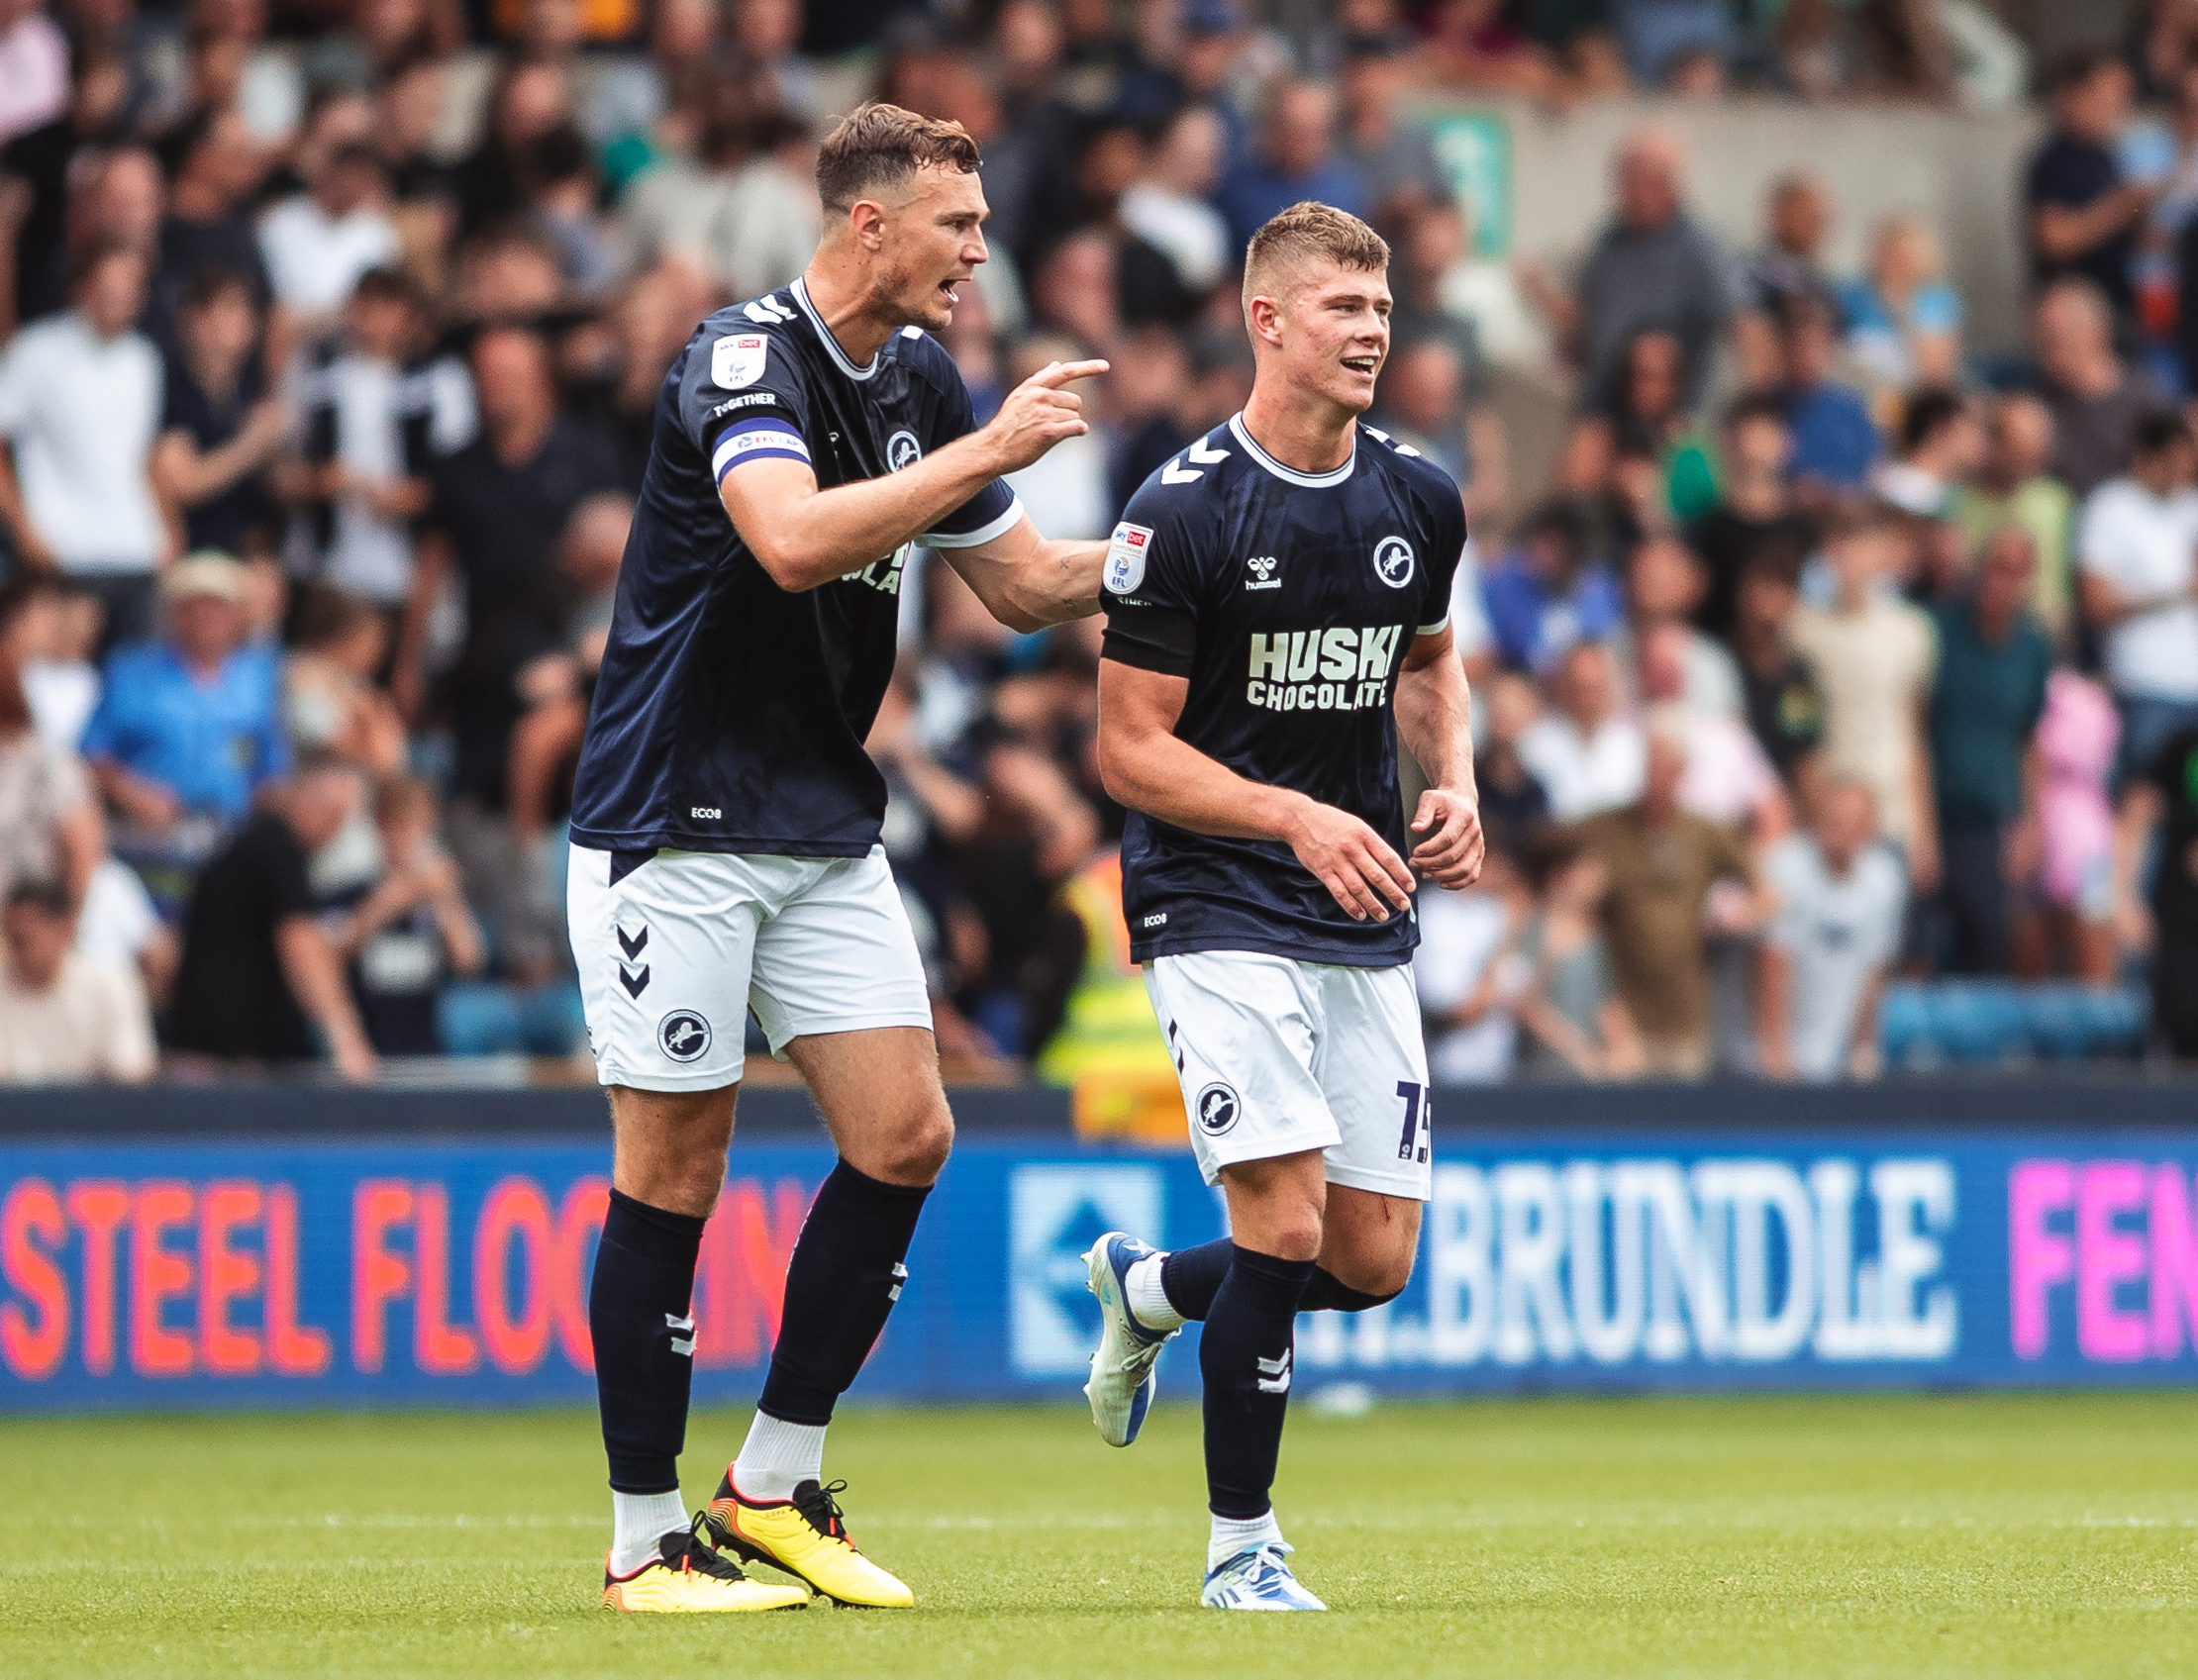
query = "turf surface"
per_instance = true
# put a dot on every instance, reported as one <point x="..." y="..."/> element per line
<point x="1783" y="1536"/>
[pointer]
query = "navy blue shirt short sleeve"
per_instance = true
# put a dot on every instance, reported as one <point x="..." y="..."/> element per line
<point x="729" y="714"/>
<point x="1302" y="593"/>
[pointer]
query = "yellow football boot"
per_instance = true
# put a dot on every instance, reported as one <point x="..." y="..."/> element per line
<point x="804" y="1537"/>
<point x="688" y="1576"/>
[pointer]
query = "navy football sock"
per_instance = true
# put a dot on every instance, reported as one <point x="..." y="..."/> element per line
<point x="643" y="1337"/>
<point x="845" y="1274"/>
<point x="1191" y="1276"/>
<point x="1244" y="1357"/>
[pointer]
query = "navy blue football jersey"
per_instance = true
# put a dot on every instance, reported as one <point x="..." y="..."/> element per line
<point x="729" y="714"/>
<point x="1300" y="594"/>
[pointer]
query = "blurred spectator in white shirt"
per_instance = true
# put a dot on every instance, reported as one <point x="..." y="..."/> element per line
<point x="64" y="1015"/>
<point x="1468" y="977"/>
<point x="2137" y="570"/>
<point x="1065" y="489"/>
<point x="318" y="243"/>
<point x="50" y="822"/>
<point x="1587" y="756"/>
<point x="61" y="631"/>
<point x="1166" y="206"/>
<point x="80" y="397"/>
<point x="33" y="68"/>
<point x="1835" y="929"/>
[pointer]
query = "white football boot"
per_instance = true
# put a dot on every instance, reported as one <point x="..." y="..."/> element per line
<point x="1123" y="1380"/>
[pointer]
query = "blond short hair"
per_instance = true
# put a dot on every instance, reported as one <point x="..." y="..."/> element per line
<point x="883" y="146"/>
<point x="1304" y="233"/>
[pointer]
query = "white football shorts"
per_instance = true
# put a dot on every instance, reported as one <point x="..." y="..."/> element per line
<point x="674" y="953"/>
<point x="1277" y="1056"/>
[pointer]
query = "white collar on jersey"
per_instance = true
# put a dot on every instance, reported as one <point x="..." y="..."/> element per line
<point x="801" y="296"/>
<point x="1290" y="475"/>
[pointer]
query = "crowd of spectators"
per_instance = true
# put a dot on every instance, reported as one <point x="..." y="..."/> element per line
<point x="1821" y="650"/>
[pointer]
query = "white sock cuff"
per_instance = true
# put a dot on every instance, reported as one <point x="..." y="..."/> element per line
<point x="1232" y="1535"/>
<point x="779" y="1456"/>
<point x="639" y="1521"/>
<point x="1147" y="1298"/>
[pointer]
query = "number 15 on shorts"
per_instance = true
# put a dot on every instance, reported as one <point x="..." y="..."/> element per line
<point x="1419" y="1121"/>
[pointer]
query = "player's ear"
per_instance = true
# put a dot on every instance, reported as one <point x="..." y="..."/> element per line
<point x="866" y="221"/>
<point x="1265" y="319"/>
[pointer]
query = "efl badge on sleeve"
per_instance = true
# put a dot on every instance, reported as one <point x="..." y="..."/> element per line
<point x="1126" y="557"/>
<point x="738" y="359"/>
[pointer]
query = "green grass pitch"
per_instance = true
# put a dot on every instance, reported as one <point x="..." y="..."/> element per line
<point x="1850" y="1536"/>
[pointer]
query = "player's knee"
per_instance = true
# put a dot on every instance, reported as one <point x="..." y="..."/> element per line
<point x="1372" y="1280"/>
<point x="917" y="1151"/>
<point x="1292" y="1233"/>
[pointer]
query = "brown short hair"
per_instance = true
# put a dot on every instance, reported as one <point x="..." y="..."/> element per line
<point x="1310" y="230"/>
<point x="882" y="145"/>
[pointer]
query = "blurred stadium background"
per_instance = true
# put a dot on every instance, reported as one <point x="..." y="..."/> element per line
<point x="1817" y="380"/>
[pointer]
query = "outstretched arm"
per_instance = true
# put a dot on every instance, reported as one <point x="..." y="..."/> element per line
<point x="1144" y="766"/>
<point x="805" y="537"/>
<point x="1435" y="716"/>
<point x="1028" y="582"/>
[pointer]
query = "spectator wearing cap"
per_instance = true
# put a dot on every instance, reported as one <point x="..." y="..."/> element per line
<point x="1835" y="441"/>
<point x="1550" y="591"/>
<point x="317" y="243"/>
<point x="2082" y="216"/>
<point x="80" y="399"/>
<point x="65" y="1015"/>
<point x="258" y="974"/>
<point x="370" y="415"/>
<point x="1826" y="950"/>
<point x="1296" y="161"/>
<point x="220" y="428"/>
<point x="2095" y="401"/>
<point x="1652" y="269"/>
<point x="1989" y="692"/>
<point x="189" y="724"/>
<point x="2137" y="579"/>
<point x="1941" y="448"/>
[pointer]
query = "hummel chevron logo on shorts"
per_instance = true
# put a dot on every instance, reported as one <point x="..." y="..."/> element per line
<point x="1274" y="1374"/>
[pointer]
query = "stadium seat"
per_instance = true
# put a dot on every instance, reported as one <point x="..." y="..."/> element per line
<point x="1979" y="1022"/>
<point x="550" y="1020"/>
<point x="1904" y="1028"/>
<point x="479" y="1018"/>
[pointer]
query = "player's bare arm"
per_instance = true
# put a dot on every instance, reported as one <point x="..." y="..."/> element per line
<point x="1435" y="716"/>
<point x="805" y="537"/>
<point x="1028" y="581"/>
<point x="1146" y="767"/>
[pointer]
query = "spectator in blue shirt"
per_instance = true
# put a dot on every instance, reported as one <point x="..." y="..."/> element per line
<point x="189" y="726"/>
<point x="1548" y="592"/>
<point x="1835" y="441"/>
<point x="1296" y="161"/>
